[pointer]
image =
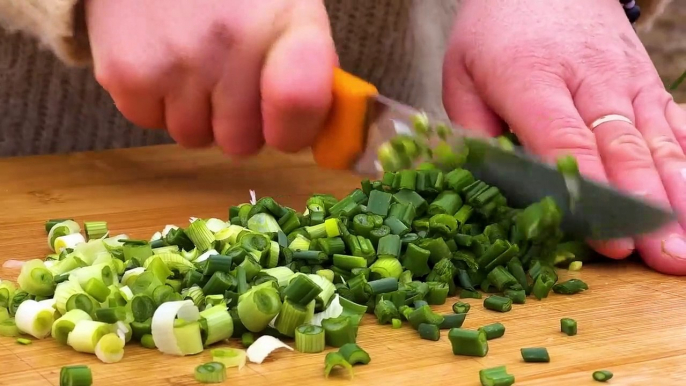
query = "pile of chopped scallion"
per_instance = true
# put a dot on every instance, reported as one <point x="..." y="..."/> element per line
<point x="392" y="248"/>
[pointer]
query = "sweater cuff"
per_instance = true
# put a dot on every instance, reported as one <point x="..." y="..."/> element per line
<point x="58" y="24"/>
<point x="650" y="11"/>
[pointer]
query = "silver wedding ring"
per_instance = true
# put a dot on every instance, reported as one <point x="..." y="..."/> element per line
<point x="610" y="118"/>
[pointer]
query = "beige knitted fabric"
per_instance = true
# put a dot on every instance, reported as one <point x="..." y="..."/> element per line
<point x="48" y="107"/>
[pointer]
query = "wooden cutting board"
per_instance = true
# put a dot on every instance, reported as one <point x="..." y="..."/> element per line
<point x="632" y="321"/>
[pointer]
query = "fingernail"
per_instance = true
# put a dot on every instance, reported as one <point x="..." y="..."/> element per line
<point x="675" y="247"/>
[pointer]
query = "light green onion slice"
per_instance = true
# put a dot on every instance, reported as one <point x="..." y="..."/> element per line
<point x="309" y="339"/>
<point x="76" y="376"/>
<point x="96" y="229"/>
<point x="102" y="272"/>
<point x="335" y="359"/>
<point x="64" y="228"/>
<point x="130" y="276"/>
<point x="258" y="306"/>
<point x="63" y="292"/>
<point x="163" y="331"/>
<point x="24" y="341"/>
<point x="4" y="314"/>
<point x="66" y="323"/>
<point x="217" y="323"/>
<point x="86" y="335"/>
<point x="263" y="223"/>
<point x="230" y="357"/>
<point x="263" y="346"/>
<point x="8" y="328"/>
<point x="36" y="279"/>
<point x="211" y="372"/>
<point x="110" y="348"/>
<point x="68" y="241"/>
<point x="34" y="318"/>
<point x="7" y="289"/>
<point x="173" y="261"/>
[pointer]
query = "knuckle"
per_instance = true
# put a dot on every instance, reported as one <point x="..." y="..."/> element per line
<point x="665" y="148"/>
<point x="119" y="75"/>
<point x="629" y="149"/>
<point x="568" y="138"/>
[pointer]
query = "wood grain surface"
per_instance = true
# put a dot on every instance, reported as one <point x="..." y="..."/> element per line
<point x="632" y="321"/>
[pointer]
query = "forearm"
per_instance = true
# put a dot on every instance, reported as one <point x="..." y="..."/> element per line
<point x="58" y="24"/>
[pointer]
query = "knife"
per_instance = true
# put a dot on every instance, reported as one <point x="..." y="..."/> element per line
<point x="361" y="120"/>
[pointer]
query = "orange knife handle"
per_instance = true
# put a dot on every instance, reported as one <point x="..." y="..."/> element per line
<point x="342" y="139"/>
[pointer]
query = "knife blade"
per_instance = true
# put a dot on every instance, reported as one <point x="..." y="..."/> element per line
<point x="361" y="120"/>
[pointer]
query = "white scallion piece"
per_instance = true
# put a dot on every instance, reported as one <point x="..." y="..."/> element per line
<point x="163" y="324"/>
<point x="110" y="348"/>
<point x="205" y="256"/>
<point x="68" y="241"/>
<point x="334" y="310"/>
<point x="35" y="318"/>
<point x="263" y="346"/>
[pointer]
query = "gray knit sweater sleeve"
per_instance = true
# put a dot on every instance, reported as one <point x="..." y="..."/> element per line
<point x="47" y="106"/>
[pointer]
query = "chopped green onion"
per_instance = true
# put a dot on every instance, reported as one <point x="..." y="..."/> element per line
<point x="424" y="314"/>
<point x="201" y="236"/>
<point x="293" y="315"/>
<point x="35" y="318"/>
<point x="97" y="289"/>
<point x="517" y="296"/>
<point x="111" y="315"/>
<point x="570" y="287"/>
<point x="76" y="376"/>
<point x="302" y="290"/>
<point x="86" y="335"/>
<point x="468" y="342"/>
<point x="263" y="346"/>
<point x="602" y="375"/>
<point x="110" y="348"/>
<point x="498" y="303"/>
<point x="147" y="341"/>
<point x="438" y="293"/>
<point x="211" y="372"/>
<point x="461" y="307"/>
<point x="96" y="229"/>
<point x="493" y="331"/>
<point x="568" y="326"/>
<point x="354" y="354"/>
<point x="142" y="307"/>
<point x="535" y="355"/>
<point x="140" y="329"/>
<point x="429" y="331"/>
<point x="496" y="376"/>
<point x="218" y="324"/>
<point x="452" y="321"/>
<point x="385" y="311"/>
<point x="309" y="338"/>
<point x="247" y="339"/>
<point x="7" y="289"/>
<point x="335" y="359"/>
<point x="24" y="341"/>
<point x="230" y="357"/>
<point x="258" y="307"/>
<point x="8" y="328"/>
<point x="396" y="323"/>
<point x="575" y="266"/>
<point x="339" y="331"/>
<point x="36" y="279"/>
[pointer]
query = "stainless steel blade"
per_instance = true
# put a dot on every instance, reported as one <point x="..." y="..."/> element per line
<point x="601" y="212"/>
